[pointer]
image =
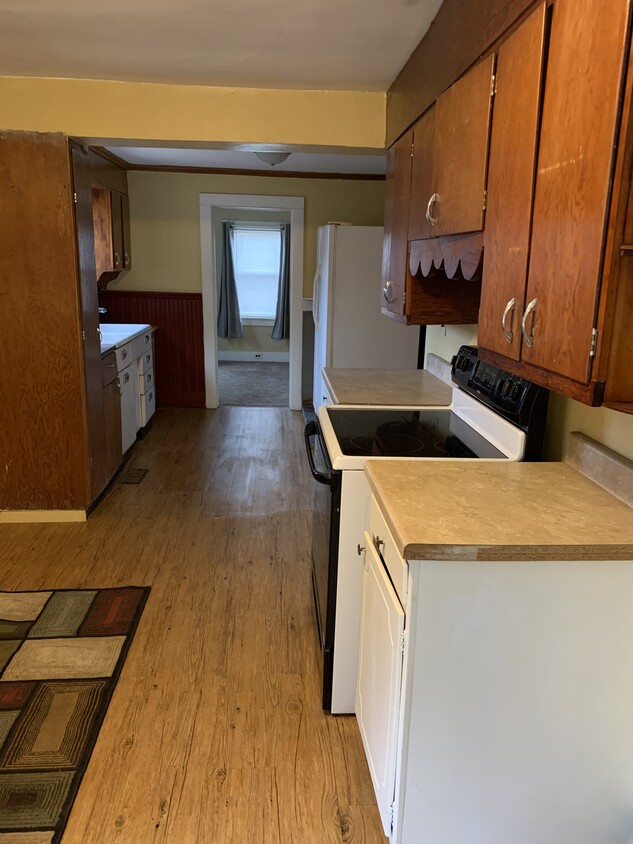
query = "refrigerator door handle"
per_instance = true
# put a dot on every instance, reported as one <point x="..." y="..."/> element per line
<point x="315" y="296"/>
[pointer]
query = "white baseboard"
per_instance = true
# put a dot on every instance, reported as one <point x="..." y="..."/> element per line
<point x="270" y="357"/>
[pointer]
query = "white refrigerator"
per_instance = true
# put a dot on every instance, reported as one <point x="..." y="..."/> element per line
<point x="349" y="329"/>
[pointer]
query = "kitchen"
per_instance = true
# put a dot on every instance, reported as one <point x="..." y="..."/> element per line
<point x="605" y="425"/>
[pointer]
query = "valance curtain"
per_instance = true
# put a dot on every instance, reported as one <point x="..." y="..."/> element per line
<point x="229" y="321"/>
<point x="281" y="328"/>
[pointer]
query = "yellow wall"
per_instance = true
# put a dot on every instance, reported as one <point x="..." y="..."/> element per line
<point x="187" y="114"/>
<point x="613" y="429"/>
<point x="165" y="220"/>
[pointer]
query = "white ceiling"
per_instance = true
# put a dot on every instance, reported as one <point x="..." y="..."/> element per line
<point x="329" y="44"/>
<point x="301" y="162"/>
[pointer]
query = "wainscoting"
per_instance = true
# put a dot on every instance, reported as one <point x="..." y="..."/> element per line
<point x="178" y="343"/>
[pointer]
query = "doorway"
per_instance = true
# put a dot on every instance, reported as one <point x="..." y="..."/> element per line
<point x="212" y="205"/>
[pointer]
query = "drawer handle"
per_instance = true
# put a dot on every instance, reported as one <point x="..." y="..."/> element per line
<point x="387" y="291"/>
<point x="124" y="354"/>
<point x="126" y="377"/>
<point x="360" y="549"/>
<point x="148" y="377"/>
<point x="117" y="259"/>
<point x="146" y="339"/>
<point x="378" y="542"/>
<point x="110" y="365"/>
<point x="147" y="358"/>
<point x="151" y="396"/>
<point x="127" y="259"/>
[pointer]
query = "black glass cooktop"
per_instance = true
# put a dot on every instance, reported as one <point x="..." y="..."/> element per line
<point x="435" y="433"/>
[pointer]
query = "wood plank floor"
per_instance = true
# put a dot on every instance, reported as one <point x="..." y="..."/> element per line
<point x="215" y="731"/>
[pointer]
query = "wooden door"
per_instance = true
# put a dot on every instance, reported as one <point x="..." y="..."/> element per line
<point x="422" y="176"/>
<point x="112" y="418"/>
<point x="513" y="146"/>
<point x="584" y="76"/>
<point x="396" y="224"/>
<point x="460" y="152"/>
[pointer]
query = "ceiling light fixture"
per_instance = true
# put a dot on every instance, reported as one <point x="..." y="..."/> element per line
<point x="272" y="158"/>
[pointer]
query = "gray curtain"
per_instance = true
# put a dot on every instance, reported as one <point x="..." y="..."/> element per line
<point x="281" y="328"/>
<point x="229" y="322"/>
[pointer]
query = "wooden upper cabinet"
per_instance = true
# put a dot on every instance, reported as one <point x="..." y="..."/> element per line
<point x="396" y="224"/>
<point x="513" y="146"/>
<point x="111" y="221"/>
<point x="127" y="240"/>
<point x="460" y="152"/>
<point x="422" y="176"/>
<point x="573" y="184"/>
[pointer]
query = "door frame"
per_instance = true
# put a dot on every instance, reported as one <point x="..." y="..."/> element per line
<point x="294" y="204"/>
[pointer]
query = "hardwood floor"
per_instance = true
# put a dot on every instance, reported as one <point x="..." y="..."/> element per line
<point x="215" y="731"/>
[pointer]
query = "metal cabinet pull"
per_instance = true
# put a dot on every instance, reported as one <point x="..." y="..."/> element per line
<point x="387" y="291"/>
<point x="126" y="258"/>
<point x="360" y="549"/>
<point x="508" y="333"/>
<point x="146" y="339"/>
<point x="117" y="259"/>
<point x="126" y="377"/>
<point x="529" y="338"/>
<point x="124" y="354"/>
<point x="432" y="218"/>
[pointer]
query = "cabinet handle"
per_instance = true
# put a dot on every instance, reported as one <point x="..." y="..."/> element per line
<point x="147" y="358"/>
<point x="124" y="354"/>
<point x="126" y="377"/>
<point x="529" y="338"/>
<point x="387" y="291"/>
<point x="151" y="396"/>
<point x="148" y="378"/>
<point x="117" y="259"/>
<point x="360" y="548"/>
<point x="432" y="218"/>
<point x="126" y="258"/>
<point x="146" y="339"/>
<point x="508" y="333"/>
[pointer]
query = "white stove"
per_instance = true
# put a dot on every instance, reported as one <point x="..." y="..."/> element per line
<point x="493" y="416"/>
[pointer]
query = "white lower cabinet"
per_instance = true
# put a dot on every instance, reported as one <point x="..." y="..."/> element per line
<point x="505" y="715"/>
<point x="379" y="679"/>
<point x="128" y="388"/>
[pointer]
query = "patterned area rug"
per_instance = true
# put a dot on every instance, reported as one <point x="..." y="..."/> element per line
<point x="61" y="654"/>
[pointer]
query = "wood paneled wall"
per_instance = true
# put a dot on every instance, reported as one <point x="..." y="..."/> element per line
<point x="461" y="33"/>
<point x="43" y="428"/>
<point x="178" y="343"/>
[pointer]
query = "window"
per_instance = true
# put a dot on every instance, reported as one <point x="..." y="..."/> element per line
<point x="256" y="253"/>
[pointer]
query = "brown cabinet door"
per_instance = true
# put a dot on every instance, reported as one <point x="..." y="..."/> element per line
<point x="117" y="230"/>
<point x="127" y="241"/>
<point x="102" y="226"/>
<point x="112" y="418"/>
<point x="460" y="152"/>
<point x="584" y="76"/>
<point x="513" y="146"/>
<point x="394" y="254"/>
<point x="422" y="176"/>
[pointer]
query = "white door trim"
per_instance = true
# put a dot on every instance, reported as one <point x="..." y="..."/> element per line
<point x="295" y="205"/>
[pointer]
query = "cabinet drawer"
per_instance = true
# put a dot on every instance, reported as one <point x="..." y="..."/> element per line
<point x="146" y="407"/>
<point x="397" y="567"/>
<point x="145" y="381"/>
<point x="146" y="361"/>
<point x="124" y="356"/>
<point x="109" y="368"/>
<point x="141" y="344"/>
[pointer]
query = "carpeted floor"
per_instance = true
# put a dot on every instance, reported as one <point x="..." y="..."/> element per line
<point x="259" y="384"/>
<point x="61" y="653"/>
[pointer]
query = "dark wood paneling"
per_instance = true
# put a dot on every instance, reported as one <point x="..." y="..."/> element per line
<point x="511" y="184"/>
<point x="461" y="33"/>
<point x="422" y="176"/>
<point x="178" y="343"/>
<point x="460" y="151"/>
<point x="43" y="444"/>
<point x="582" y="95"/>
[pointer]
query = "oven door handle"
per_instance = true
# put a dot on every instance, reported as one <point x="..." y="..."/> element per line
<point x="310" y="431"/>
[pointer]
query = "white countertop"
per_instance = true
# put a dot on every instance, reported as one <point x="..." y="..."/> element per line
<point x="115" y="334"/>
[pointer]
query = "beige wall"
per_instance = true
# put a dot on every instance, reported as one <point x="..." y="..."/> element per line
<point x="189" y="114"/>
<point x="165" y="220"/>
<point x="613" y="429"/>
